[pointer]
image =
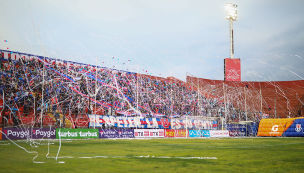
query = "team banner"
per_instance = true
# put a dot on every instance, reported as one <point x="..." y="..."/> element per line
<point x="149" y="133"/>
<point x="28" y="133"/>
<point x="128" y="122"/>
<point x="76" y="133"/>
<point x="116" y="133"/>
<point x="193" y="124"/>
<point x="274" y="127"/>
<point x="219" y="133"/>
<point x="237" y="130"/>
<point x="176" y="133"/>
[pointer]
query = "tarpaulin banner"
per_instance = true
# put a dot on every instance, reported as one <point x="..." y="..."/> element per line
<point x="237" y="130"/>
<point x="116" y="133"/>
<point x="76" y="133"/>
<point x="193" y="124"/>
<point x="149" y="133"/>
<point x="28" y="133"/>
<point x="0" y="134"/>
<point x="176" y="133"/>
<point x="128" y="122"/>
<point x="274" y="127"/>
<point x="219" y="133"/>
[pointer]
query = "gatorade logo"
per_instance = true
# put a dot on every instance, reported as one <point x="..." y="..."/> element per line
<point x="275" y="128"/>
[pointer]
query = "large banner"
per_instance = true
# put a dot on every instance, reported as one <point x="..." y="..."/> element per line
<point x="274" y="127"/>
<point x="149" y="133"/>
<point x="149" y="123"/>
<point x="176" y="133"/>
<point x="232" y="69"/>
<point x="116" y="133"/>
<point x="219" y="133"/>
<point x="193" y="124"/>
<point x="28" y="133"/>
<point x="128" y="122"/>
<point x="76" y="133"/>
<point x="237" y="130"/>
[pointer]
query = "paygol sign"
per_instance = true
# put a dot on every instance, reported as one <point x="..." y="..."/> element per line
<point x="31" y="133"/>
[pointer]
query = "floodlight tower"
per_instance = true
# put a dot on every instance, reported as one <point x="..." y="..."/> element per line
<point x="231" y="15"/>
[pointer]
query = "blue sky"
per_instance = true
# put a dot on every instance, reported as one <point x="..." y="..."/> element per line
<point x="164" y="38"/>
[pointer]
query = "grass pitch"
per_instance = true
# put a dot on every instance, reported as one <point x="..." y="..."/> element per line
<point x="157" y="155"/>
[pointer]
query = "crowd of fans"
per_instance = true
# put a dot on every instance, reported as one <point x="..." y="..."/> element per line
<point x="40" y="87"/>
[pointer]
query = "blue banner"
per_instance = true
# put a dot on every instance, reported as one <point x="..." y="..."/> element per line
<point x="296" y="129"/>
<point x="237" y="130"/>
<point x="205" y="133"/>
<point x="116" y="133"/>
<point x="199" y="133"/>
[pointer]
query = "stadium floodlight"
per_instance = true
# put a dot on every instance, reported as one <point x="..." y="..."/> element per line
<point x="231" y="15"/>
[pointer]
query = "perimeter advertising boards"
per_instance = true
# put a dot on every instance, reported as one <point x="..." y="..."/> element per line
<point x="149" y="133"/>
<point x="116" y="133"/>
<point x="219" y="133"/>
<point x="176" y="133"/>
<point x="0" y="133"/>
<point x="29" y="133"/>
<point x="281" y="127"/>
<point x="77" y="133"/>
<point x="232" y="69"/>
<point x="199" y="133"/>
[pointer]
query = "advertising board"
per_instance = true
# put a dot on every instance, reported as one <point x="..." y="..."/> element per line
<point x="116" y="133"/>
<point x="205" y="133"/>
<point x="274" y="127"/>
<point x="296" y="129"/>
<point x="219" y="133"/>
<point x="232" y="69"/>
<point x="0" y="133"/>
<point x="176" y="133"/>
<point x="28" y="133"/>
<point x="76" y="133"/>
<point x="149" y="133"/>
<point x="237" y="130"/>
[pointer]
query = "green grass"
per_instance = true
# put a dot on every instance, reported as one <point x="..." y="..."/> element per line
<point x="233" y="155"/>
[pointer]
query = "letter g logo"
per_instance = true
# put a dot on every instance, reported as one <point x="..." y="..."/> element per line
<point x="275" y="128"/>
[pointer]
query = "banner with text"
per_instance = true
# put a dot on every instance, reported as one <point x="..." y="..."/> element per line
<point x="76" y="133"/>
<point x="237" y="130"/>
<point x="116" y="133"/>
<point x="128" y="122"/>
<point x="149" y="133"/>
<point x="192" y="124"/>
<point x="28" y="133"/>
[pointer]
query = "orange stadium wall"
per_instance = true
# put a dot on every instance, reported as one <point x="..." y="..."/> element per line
<point x="283" y="97"/>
